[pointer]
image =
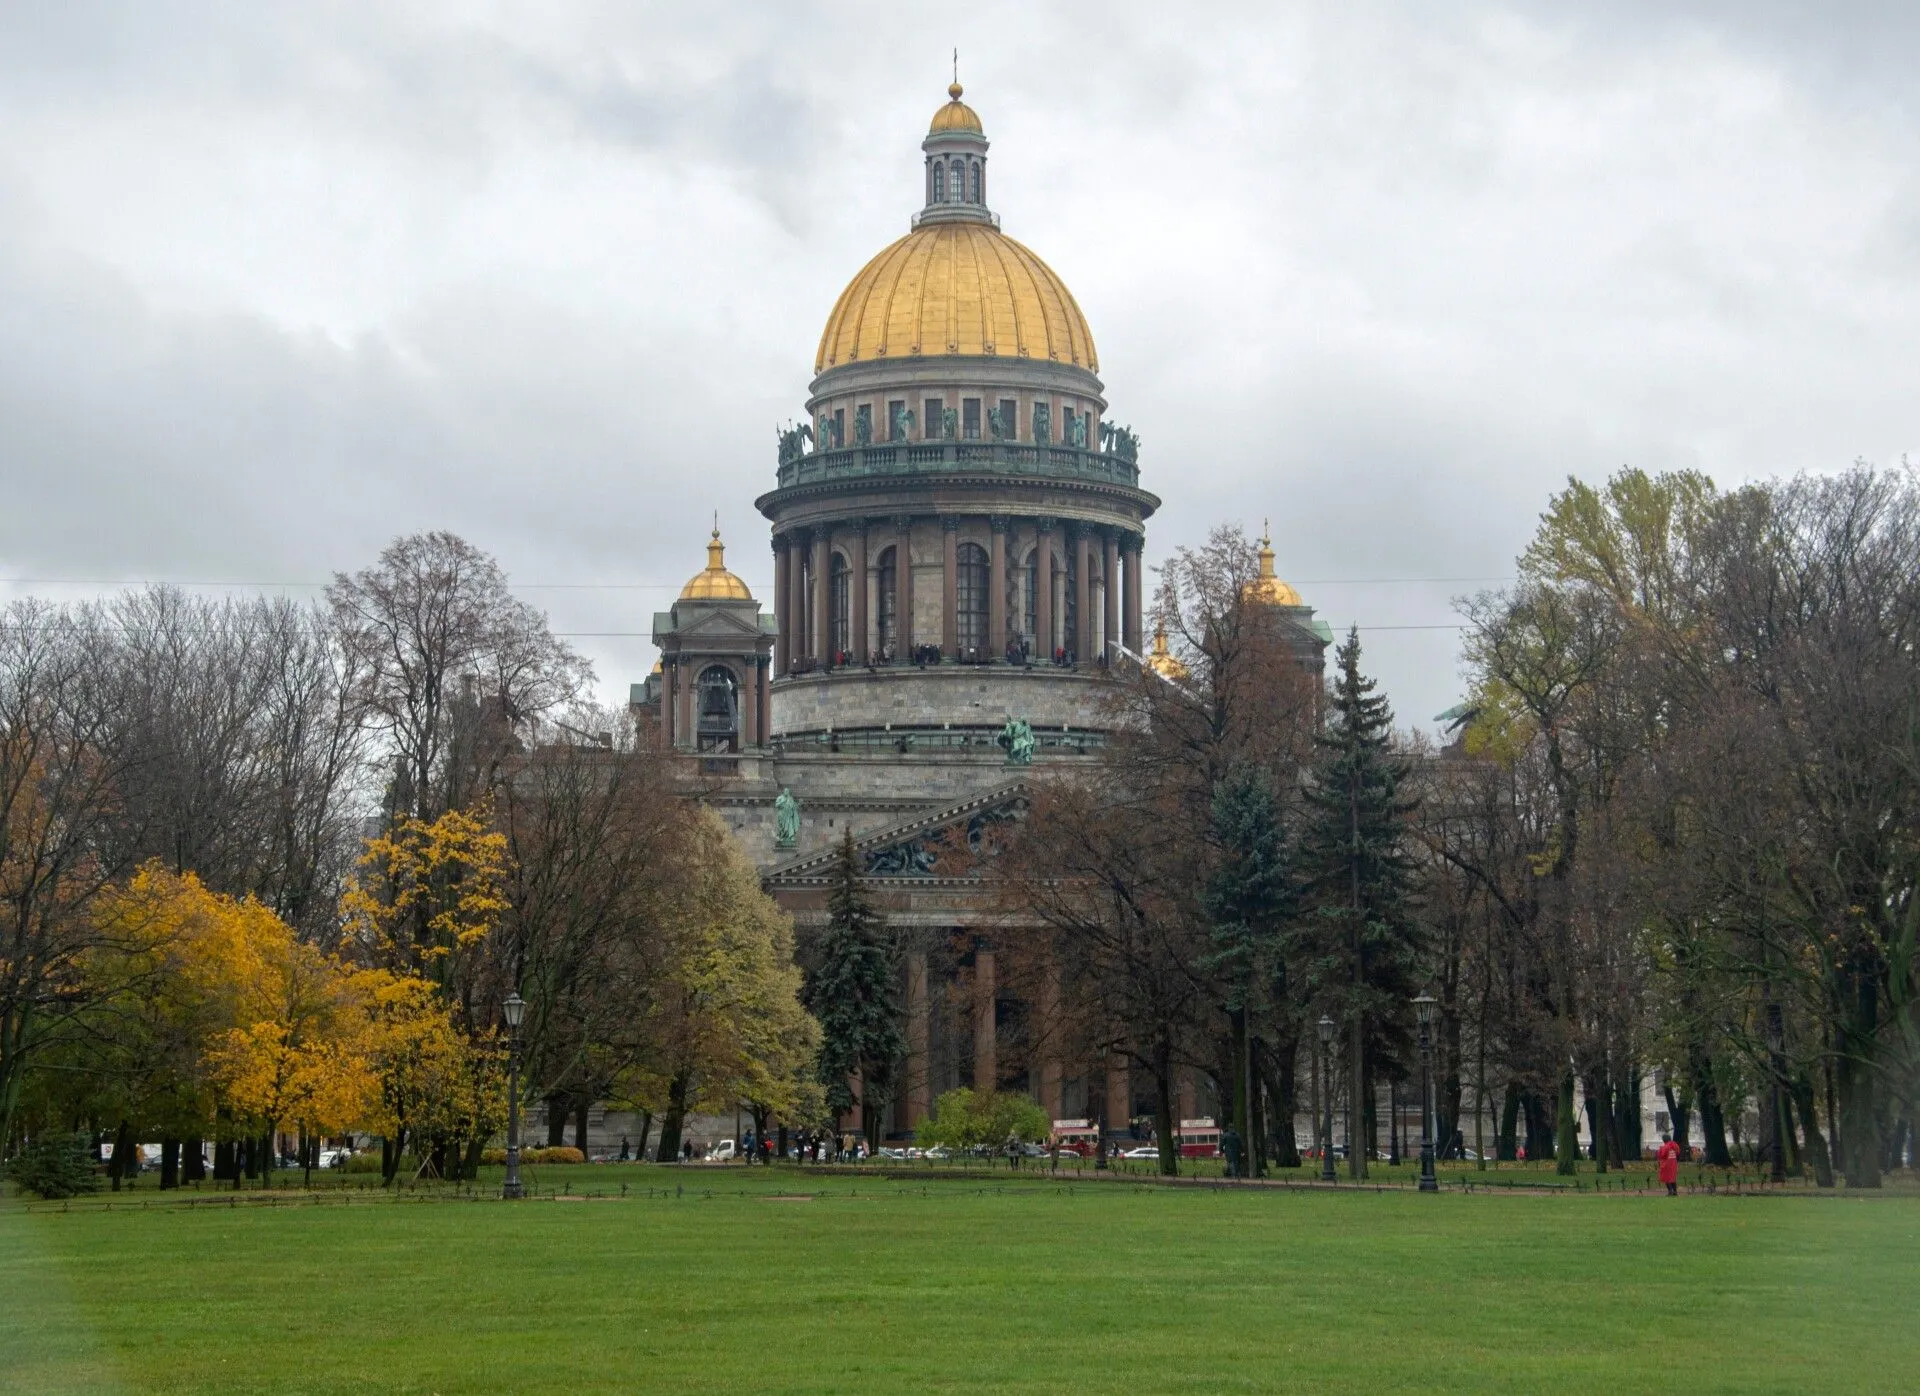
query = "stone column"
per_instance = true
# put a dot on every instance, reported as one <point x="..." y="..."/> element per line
<point x="763" y="676"/>
<point x="1119" y="1091"/>
<point x="822" y="560"/>
<point x="857" y="587"/>
<point x="780" y="595"/>
<point x="919" y="1060"/>
<point x="1043" y="590"/>
<point x="1082" y="640"/>
<point x="749" y="700"/>
<point x="950" y="587"/>
<point x="986" y="1059"/>
<point x="903" y="589"/>
<point x="1136" y="546"/>
<point x="797" y="648"/>
<point x="997" y="592"/>
<point x="689" y="734"/>
<point x="1110" y="594"/>
<point x="668" y="667"/>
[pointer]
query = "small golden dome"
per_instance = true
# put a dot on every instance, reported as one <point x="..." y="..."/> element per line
<point x="1162" y="661"/>
<point x="715" y="583"/>
<point x="956" y="115"/>
<point x="1267" y="587"/>
<point x="956" y="288"/>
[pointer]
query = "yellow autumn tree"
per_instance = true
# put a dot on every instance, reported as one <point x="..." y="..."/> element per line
<point x="436" y="1089"/>
<point x="427" y="891"/>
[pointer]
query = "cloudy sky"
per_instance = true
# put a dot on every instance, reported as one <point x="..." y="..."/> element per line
<point x="278" y="282"/>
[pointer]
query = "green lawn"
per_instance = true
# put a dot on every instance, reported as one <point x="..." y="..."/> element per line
<point x="992" y="1284"/>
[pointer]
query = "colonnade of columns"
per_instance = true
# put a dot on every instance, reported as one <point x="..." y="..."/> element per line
<point x="810" y="619"/>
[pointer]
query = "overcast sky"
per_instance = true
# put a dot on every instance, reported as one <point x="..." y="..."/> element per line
<point x="280" y="282"/>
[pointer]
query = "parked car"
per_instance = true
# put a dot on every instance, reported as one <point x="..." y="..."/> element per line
<point x="333" y="1158"/>
<point x="1141" y="1151"/>
<point x="937" y="1152"/>
<point x="723" y="1152"/>
<point x="892" y="1153"/>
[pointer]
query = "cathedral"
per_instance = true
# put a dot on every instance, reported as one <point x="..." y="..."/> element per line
<point x="957" y="533"/>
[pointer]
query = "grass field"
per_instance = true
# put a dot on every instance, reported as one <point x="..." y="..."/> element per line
<point x="721" y="1279"/>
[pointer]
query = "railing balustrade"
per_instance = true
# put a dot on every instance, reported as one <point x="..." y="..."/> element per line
<point x="1076" y="462"/>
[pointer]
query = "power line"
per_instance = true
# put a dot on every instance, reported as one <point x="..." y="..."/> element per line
<point x="642" y="586"/>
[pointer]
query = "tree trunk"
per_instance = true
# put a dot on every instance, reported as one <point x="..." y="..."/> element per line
<point x="1240" y="1113"/>
<point x="1163" y="1110"/>
<point x="581" y="1105"/>
<point x="1859" y="1129"/>
<point x="556" y="1121"/>
<point x="1566" y="1145"/>
<point x="1284" y="1102"/>
<point x="1597" y="1111"/>
<point x="194" y="1167"/>
<point x="1713" y="1121"/>
<point x="1506" y="1144"/>
<point x="169" y="1164"/>
<point x="223" y="1161"/>
<point x="122" y="1165"/>
<point x="1359" y="1108"/>
<point x="646" y="1132"/>
<point x="1679" y="1117"/>
<point x="672" y="1122"/>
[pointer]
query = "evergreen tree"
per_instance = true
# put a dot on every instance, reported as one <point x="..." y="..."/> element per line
<point x="1247" y="900"/>
<point x="853" y="989"/>
<point x="1362" y="935"/>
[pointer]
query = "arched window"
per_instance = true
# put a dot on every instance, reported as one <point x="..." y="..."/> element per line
<point x="718" y="697"/>
<point x="970" y="595"/>
<point x="976" y="180"/>
<point x="839" y="604"/>
<point x="939" y="182"/>
<point x="887" y="582"/>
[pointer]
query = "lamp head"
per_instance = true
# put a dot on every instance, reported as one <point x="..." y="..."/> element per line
<point x="514" y="1009"/>
<point x="1326" y="1031"/>
<point x="1423" y="1008"/>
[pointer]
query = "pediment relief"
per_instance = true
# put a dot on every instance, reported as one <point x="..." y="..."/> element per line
<point x="942" y="844"/>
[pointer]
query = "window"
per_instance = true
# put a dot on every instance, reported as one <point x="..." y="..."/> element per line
<point x="839" y="427"/>
<point x="839" y="599"/>
<point x="718" y="723"/>
<point x="939" y="183"/>
<point x="976" y="180"/>
<point x="930" y="426"/>
<point x="970" y="594"/>
<point x="1010" y="418"/>
<point x="888" y="580"/>
<point x="970" y="418"/>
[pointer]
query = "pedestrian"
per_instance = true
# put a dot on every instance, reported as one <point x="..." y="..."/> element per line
<point x="1669" y="1156"/>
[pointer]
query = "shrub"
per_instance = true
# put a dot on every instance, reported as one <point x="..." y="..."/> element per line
<point x="57" y="1165"/>
<point x="366" y="1161"/>
<point x="495" y="1157"/>
<point x="963" y="1119"/>
<point x="556" y="1155"/>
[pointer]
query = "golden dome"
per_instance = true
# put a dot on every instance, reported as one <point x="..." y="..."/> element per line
<point x="715" y="583"/>
<point x="1162" y="661"/>
<point x="956" y="288"/>
<point x="1267" y="587"/>
<point x="956" y="115"/>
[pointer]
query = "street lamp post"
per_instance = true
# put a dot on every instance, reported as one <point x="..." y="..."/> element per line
<point x="513" y="1010"/>
<point x="1326" y="1100"/>
<point x="1423" y="1009"/>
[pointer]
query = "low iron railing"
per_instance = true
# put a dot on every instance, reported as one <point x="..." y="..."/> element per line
<point x="938" y="457"/>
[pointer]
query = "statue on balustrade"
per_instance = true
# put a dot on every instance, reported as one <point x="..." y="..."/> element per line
<point x="949" y="424"/>
<point x="862" y="427"/>
<point x="997" y="426"/>
<point x="1042" y="424"/>
<point x="786" y="819"/>
<point x="823" y="434"/>
<point x="1079" y="430"/>
<point x="901" y="427"/>
<point x="1017" y="738"/>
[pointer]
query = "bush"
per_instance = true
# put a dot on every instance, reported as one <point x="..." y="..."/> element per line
<point x="963" y="1119"/>
<point x="495" y="1157"/>
<point x="366" y="1161"/>
<point x="57" y="1165"/>
<point x="558" y="1155"/>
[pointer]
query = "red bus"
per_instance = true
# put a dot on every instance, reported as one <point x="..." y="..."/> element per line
<point x="1198" y="1138"/>
<point x="1080" y="1137"/>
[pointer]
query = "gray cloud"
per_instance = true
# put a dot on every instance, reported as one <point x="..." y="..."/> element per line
<point x="277" y="284"/>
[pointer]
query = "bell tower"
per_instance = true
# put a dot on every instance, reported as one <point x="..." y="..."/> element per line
<point x="956" y="176"/>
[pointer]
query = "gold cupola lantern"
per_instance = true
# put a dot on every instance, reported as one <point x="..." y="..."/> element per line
<point x="1267" y="588"/>
<point x="714" y="582"/>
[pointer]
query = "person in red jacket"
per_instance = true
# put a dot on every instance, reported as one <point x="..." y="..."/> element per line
<point x="1669" y="1156"/>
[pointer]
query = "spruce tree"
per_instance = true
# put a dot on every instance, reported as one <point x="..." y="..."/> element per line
<point x="1247" y="900"/>
<point x="853" y="989"/>
<point x="1362" y="935"/>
